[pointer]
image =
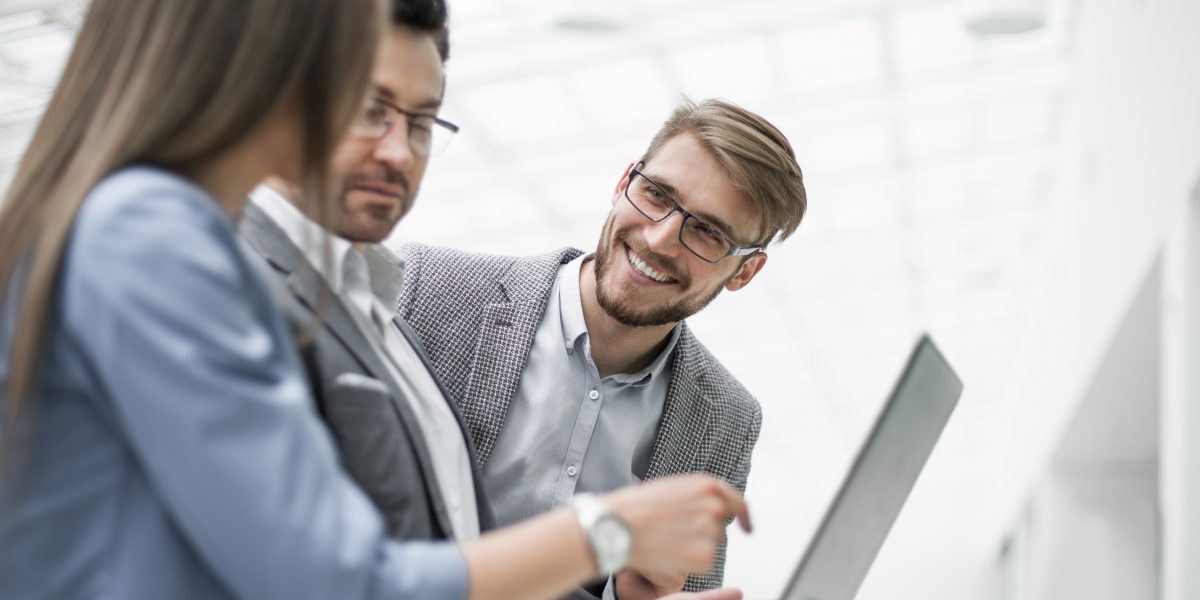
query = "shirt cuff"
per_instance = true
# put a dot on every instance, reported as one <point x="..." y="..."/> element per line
<point x="424" y="570"/>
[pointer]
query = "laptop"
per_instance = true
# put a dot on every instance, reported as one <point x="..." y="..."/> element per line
<point x="887" y="466"/>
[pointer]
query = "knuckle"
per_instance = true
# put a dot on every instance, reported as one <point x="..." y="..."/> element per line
<point x="716" y="514"/>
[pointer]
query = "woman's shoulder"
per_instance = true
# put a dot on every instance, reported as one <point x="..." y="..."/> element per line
<point x="138" y="207"/>
<point x="144" y="219"/>
<point x="145" y="193"/>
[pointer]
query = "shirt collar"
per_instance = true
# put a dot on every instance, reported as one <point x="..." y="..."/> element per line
<point x="384" y="269"/>
<point x="574" y="328"/>
<point x="305" y="234"/>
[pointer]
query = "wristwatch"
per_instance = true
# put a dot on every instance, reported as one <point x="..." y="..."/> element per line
<point x="607" y="533"/>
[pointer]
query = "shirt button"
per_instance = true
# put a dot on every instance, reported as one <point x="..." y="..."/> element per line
<point x="593" y="394"/>
<point x="572" y="471"/>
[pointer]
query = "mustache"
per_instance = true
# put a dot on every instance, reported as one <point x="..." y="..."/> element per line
<point x="386" y="176"/>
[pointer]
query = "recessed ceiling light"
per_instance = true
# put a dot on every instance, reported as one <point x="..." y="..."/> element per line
<point x="593" y="15"/>
<point x="1004" y="17"/>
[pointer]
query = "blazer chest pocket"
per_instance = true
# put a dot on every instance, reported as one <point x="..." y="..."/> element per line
<point x="374" y="446"/>
<point x="362" y="419"/>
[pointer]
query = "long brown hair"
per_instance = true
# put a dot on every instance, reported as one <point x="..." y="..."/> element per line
<point x="173" y="83"/>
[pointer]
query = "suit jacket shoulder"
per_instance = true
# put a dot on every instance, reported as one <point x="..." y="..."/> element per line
<point x="477" y="315"/>
<point x="461" y="277"/>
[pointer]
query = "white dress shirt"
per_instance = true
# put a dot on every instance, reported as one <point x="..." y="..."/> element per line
<point x="569" y="430"/>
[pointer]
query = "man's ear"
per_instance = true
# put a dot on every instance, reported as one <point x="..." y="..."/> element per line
<point x="747" y="271"/>
<point x="621" y="183"/>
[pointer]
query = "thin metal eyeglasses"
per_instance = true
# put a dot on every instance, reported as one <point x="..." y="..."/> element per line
<point x="427" y="133"/>
<point x="702" y="239"/>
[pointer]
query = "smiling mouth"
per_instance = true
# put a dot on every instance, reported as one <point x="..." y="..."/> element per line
<point x="641" y="267"/>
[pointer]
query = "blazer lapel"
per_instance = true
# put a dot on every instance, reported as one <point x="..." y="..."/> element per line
<point x="308" y="286"/>
<point x="680" y="445"/>
<point x="501" y="351"/>
<point x="486" y="519"/>
<point x="342" y="325"/>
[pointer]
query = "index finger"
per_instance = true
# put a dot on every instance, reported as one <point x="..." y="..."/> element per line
<point x="735" y="505"/>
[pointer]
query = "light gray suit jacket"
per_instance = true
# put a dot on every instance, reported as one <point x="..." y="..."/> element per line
<point x="478" y="315"/>
<point x="376" y="430"/>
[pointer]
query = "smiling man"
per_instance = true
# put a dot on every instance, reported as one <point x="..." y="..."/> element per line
<point x="577" y="373"/>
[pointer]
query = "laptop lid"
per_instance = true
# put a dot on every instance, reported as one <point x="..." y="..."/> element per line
<point x="874" y="491"/>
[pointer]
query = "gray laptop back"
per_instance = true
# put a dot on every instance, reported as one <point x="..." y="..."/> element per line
<point x="887" y="466"/>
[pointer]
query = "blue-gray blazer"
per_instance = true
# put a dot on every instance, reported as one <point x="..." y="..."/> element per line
<point x="171" y="449"/>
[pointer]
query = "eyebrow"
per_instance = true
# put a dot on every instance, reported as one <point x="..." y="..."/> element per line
<point x="709" y="219"/>
<point x="387" y="95"/>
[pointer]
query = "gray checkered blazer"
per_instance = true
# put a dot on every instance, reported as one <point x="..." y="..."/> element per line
<point x="477" y="315"/>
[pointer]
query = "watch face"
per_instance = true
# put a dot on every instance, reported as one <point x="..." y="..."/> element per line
<point x="612" y="539"/>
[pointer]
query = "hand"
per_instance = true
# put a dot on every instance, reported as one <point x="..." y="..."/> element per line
<point x="632" y="585"/>
<point x="676" y="523"/>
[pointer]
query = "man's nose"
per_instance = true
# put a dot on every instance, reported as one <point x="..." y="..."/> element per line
<point x="395" y="149"/>
<point x="663" y="236"/>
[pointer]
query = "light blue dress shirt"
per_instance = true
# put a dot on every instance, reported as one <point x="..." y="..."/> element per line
<point x="173" y="448"/>
<point x="568" y="430"/>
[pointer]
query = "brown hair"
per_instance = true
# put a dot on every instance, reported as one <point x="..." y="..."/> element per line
<point x="756" y="157"/>
<point x="173" y="83"/>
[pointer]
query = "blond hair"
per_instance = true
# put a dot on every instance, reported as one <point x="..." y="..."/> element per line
<point x="755" y="155"/>
<point x="173" y="83"/>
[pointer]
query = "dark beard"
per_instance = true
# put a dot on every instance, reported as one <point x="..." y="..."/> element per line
<point x="344" y="228"/>
<point x="628" y="315"/>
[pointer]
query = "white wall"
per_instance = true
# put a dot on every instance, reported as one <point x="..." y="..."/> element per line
<point x="1180" y="448"/>
<point x="1130" y="153"/>
<point x="1091" y="528"/>
<point x="1130" y="158"/>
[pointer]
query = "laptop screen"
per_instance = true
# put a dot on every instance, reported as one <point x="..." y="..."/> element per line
<point x="874" y="491"/>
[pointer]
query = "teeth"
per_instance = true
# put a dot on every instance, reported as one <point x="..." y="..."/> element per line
<point x="645" y="269"/>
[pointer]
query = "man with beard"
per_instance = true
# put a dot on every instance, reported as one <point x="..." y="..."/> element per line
<point x="577" y="374"/>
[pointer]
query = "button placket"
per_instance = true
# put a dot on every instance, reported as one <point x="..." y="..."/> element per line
<point x="571" y="472"/>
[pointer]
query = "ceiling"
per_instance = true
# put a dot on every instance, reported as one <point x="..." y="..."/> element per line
<point x="928" y="155"/>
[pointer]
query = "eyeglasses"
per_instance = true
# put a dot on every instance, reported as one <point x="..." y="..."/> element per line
<point x="702" y="239"/>
<point x="427" y="134"/>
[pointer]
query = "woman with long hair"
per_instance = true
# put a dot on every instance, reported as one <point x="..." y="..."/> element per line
<point x="158" y="438"/>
